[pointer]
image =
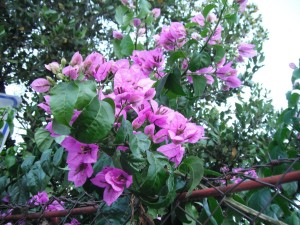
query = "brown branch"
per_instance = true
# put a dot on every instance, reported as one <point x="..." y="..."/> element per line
<point x="244" y="186"/>
<point x="198" y="194"/>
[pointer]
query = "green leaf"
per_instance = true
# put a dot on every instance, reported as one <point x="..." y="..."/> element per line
<point x="144" y="7"/>
<point x="214" y="207"/>
<point x="159" y="85"/>
<point x="260" y="199"/>
<point x="194" y="167"/>
<point x="120" y="14"/>
<point x="3" y="183"/>
<point x="199" y="61"/>
<point x="219" y="53"/>
<point x="19" y="192"/>
<point x="138" y="144"/>
<point x="118" y="213"/>
<point x="46" y="162"/>
<point x="43" y="139"/>
<point x="207" y="9"/>
<point x="124" y="132"/>
<point x="199" y="84"/>
<point x="103" y="161"/>
<point x="62" y="101"/>
<point x="232" y="18"/>
<point x="127" y="46"/>
<point x="10" y="160"/>
<point x="59" y="128"/>
<point x="173" y="82"/>
<point x="290" y="188"/>
<point x="131" y="164"/>
<point x="208" y="212"/>
<point x="35" y="178"/>
<point x="87" y="91"/>
<point x="27" y="163"/>
<point x="156" y="176"/>
<point x="94" y="122"/>
<point x="296" y="75"/>
<point x="117" y="48"/>
<point x="293" y="100"/>
<point x="58" y="156"/>
<point x="174" y="56"/>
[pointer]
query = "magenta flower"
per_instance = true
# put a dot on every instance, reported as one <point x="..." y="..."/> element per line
<point x="91" y="64"/>
<point x="55" y="206"/>
<point x="226" y="71"/>
<point x="46" y="105"/>
<point x="211" y="17"/>
<point x="243" y="4"/>
<point x="136" y="22"/>
<point x="40" y="85"/>
<point x="216" y="37"/>
<point x="199" y="18"/>
<point x="79" y="152"/>
<point x="173" y="152"/>
<point x="117" y="35"/>
<point x="50" y="129"/>
<point x="114" y="181"/>
<point x="73" y="222"/>
<point x="247" y="50"/>
<point x="39" y="198"/>
<point x="233" y="82"/>
<point x="76" y="59"/>
<point x="293" y="66"/>
<point x="156" y="12"/>
<point x="103" y="71"/>
<point x="173" y="37"/>
<point x="72" y="72"/>
<point x="79" y="172"/>
<point x="53" y="67"/>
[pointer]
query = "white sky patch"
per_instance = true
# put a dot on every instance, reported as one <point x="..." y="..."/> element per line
<point x="282" y="20"/>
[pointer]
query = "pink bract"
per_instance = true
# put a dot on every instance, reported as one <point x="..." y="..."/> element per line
<point x="40" y="85"/>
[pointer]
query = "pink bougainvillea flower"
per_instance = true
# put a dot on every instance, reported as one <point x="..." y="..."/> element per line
<point x="211" y="17"/>
<point x="76" y="59"/>
<point x="293" y="66"/>
<point x="173" y="152"/>
<point x="80" y="152"/>
<point x="196" y="36"/>
<point x="243" y="4"/>
<point x="73" y="222"/>
<point x="136" y="22"/>
<point x="40" y="85"/>
<point x="53" y="67"/>
<point x="199" y="18"/>
<point x="91" y="64"/>
<point x="156" y="12"/>
<point x="72" y="72"/>
<point x="50" y="129"/>
<point x="181" y="130"/>
<point x="55" y="206"/>
<point x="233" y="82"/>
<point x="226" y="71"/>
<point x="114" y="181"/>
<point x="247" y="50"/>
<point x="120" y="64"/>
<point x="117" y="34"/>
<point x="39" y="198"/>
<point x="173" y="36"/>
<point x="216" y="37"/>
<point x="103" y="71"/>
<point x="46" y="105"/>
<point x="79" y="172"/>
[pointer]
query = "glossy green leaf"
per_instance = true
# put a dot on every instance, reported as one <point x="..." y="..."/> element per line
<point x="173" y="82"/>
<point x="124" y="132"/>
<point x="144" y="7"/>
<point x="138" y="144"/>
<point x="219" y="53"/>
<point x="207" y="9"/>
<point x="214" y="207"/>
<point x="62" y="101"/>
<point x="27" y="163"/>
<point x="43" y="139"/>
<point x="127" y="46"/>
<point x="57" y="158"/>
<point x="117" y="48"/>
<point x="3" y="183"/>
<point x="293" y="100"/>
<point x="194" y="167"/>
<point x="87" y="91"/>
<point x="36" y="178"/>
<point x="19" y="193"/>
<point x="199" y="84"/>
<point x="59" y="128"/>
<point x="94" y="122"/>
<point x="260" y="199"/>
<point x="199" y="61"/>
<point x="296" y="75"/>
<point x="132" y="164"/>
<point x="208" y="212"/>
<point x="120" y="14"/>
<point x="10" y="160"/>
<point x="290" y="188"/>
<point x="156" y="175"/>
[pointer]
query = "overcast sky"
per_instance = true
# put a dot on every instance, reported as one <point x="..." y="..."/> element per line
<point x="282" y="19"/>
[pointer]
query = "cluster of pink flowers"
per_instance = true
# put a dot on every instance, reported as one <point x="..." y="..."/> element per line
<point x="132" y="91"/>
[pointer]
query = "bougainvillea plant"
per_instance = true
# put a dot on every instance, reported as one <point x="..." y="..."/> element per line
<point x="127" y="123"/>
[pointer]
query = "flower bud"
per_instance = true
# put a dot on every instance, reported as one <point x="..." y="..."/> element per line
<point x="136" y="22"/>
